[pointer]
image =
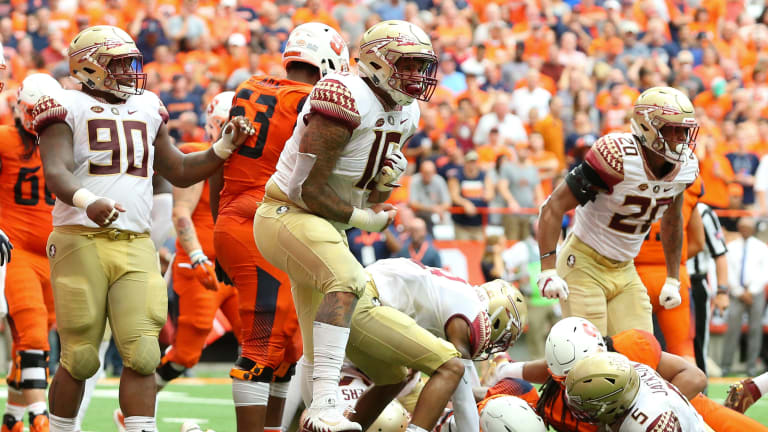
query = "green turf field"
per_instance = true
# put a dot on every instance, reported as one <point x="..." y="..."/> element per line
<point x="209" y="402"/>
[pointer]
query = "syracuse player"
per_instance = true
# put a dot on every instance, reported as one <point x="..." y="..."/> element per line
<point x="271" y="343"/>
<point x="675" y="322"/>
<point x="626" y="182"/>
<point x="100" y="146"/>
<point x="25" y="214"/>
<point x="572" y="339"/>
<point x="336" y="170"/>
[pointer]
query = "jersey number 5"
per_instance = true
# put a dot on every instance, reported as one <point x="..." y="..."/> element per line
<point x="103" y="137"/>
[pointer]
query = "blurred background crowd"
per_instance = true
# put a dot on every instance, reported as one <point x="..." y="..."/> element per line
<point x="525" y="88"/>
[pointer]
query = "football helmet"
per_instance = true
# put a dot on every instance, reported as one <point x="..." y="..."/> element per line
<point x="601" y="388"/>
<point x="105" y="58"/>
<point x="663" y="121"/>
<point x="217" y="114"/>
<point x="570" y="340"/>
<point x="394" y="418"/>
<point x="508" y="314"/>
<point x="319" y="45"/>
<point x="510" y="414"/>
<point x="31" y="90"/>
<point x="388" y="42"/>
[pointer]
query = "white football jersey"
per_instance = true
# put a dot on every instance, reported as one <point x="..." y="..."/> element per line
<point x="376" y="133"/>
<point x="616" y="222"/>
<point x="429" y="295"/>
<point x="659" y="406"/>
<point x="113" y="147"/>
<point x="352" y="385"/>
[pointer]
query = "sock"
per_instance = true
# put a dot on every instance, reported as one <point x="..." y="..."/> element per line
<point x="61" y="424"/>
<point x="330" y="343"/>
<point x="37" y="408"/>
<point x="414" y="428"/>
<point x="761" y="381"/>
<point x="16" y="411"/>
<point x="140" y="424"/>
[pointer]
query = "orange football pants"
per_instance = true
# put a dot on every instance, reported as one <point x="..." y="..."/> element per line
<point x="675" y="323"/>
<point x="197" y="308"/>
<point x="723" y="419"/>
<point x="270" y="329"/>
<point x="31" y="313"/>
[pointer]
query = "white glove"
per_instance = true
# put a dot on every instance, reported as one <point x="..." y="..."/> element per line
<point x="392" y="168"/>
<point x="370" y="220"/>
<point x="5" y="249"/>
<point x="551" y="285"/>
<point x="670" y="294"/>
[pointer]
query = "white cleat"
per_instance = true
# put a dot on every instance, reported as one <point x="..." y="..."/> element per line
<point x="327" y="419"/>
<point x="189" y="426"/>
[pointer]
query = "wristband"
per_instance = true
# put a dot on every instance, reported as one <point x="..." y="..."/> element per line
<point x="550" y="253"/>
<point x="368" y="220"/>
<point x="673" y="281"/>
<point x="722" y="289"/>
<point x="82" y="198"/>
<point x="196" y="256"/>
<point x="224" y="147"/>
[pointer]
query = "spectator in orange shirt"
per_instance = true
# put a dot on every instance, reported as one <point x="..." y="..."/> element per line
<point x="729" y="44"/>
<point x="189" y="130"/>
<point x="716" y="173"/>
<point x="165" y="64"/>
<point x="546" y="161"/>
<point x="702" y="26"/>
<point x="233" y="23"/>
<point x="312" y="12"/>
<point x="614" y="111"/>
<point x="552" y="132"/>
<point x="489" y="152"/>
<point x="709" y="67"/>
<point x="715" y="101"/>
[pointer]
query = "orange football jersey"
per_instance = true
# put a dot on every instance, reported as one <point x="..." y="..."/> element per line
<point x="201" y="216"/>
<point x="25" y="202"/>
<point x="652" y="250"/>
<point x="272" y="105"/>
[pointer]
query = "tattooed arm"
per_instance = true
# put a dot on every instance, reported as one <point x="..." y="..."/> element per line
<point x="325" y="138"/>
<point x="184" y="202"/>
<point x="672" y="236"/>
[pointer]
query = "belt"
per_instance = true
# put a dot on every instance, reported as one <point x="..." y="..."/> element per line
<point x="116" y="234"/>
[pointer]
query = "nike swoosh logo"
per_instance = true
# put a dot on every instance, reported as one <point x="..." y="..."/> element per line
<point x="403" y="121"/>
<point x="132" y="112"/>
<point x="667" y="189"/>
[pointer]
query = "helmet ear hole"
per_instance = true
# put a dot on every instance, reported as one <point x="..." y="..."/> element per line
<point x="89" y="70"/>
<point x="645" y="128"/>
<point x="375" y="66"/>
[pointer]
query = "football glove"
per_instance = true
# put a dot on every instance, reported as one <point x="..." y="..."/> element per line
<point x="392" y="168"/>
<point x="5" y="248"/>
<point x="204" y="270"/>
<point x="670" y="294"/>
<point x="551" y="285"/>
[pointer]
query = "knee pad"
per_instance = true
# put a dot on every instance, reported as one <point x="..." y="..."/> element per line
<point x="83" y="362"/>
<point x="168" y="371"/>
<point x="29" y="370"/>
<point x="248" y="370"/>
<point x="142" y="355"/>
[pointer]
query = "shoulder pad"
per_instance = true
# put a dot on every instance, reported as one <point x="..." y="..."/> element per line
<point x="666" y="422"/>
<point x="47" y="111"/>
<point x="333" y="99"/>
<point x="689" y="170"/>
<point x="606" y="158"/>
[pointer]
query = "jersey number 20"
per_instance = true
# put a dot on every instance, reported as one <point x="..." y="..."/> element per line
<point x="103" y="137"/>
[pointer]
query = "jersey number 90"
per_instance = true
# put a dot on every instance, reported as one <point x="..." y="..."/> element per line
<point x="103" y="137"/>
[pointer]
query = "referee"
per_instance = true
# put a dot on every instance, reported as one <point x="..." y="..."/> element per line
<point x="698" y="267"/>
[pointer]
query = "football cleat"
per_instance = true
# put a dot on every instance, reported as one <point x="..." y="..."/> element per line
<point x="326" y="419"/>
<point x="742" y="395"/>
<point x="39" y="423"/>
<point x="190" y="426"/>
<point x="10" y="424"/>
<point x="117" y="416"/>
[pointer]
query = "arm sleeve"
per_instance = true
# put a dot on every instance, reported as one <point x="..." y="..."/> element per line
<point x="465" y="410"/>
<point x="713" y="232"/>
<point x="584" y="182"/>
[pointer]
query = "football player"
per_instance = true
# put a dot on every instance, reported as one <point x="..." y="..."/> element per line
<point x="194" y="276"/>
<point x="100" y="145"/>
<point x="626" y="182"/>
<point x="271" y="343"/>
<point x="675" y="323"/>
<point x="25" y="214"/>
<point x="745" y="393"/>
<point x="336" y="170"/>
<point x="572" y="339"/>
<point x="426" y="319"/>
<point x="607" y="389"/>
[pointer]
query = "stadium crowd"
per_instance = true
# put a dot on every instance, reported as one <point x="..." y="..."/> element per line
<point x="526" y="87"/>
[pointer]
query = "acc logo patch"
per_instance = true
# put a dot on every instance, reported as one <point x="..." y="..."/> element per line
<point x="571" y="261"/>
<point x="115" y="111"/>
<point x="52" y="250"/>
<point x="282" y="209"/>
<point x="97" y="109"/>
